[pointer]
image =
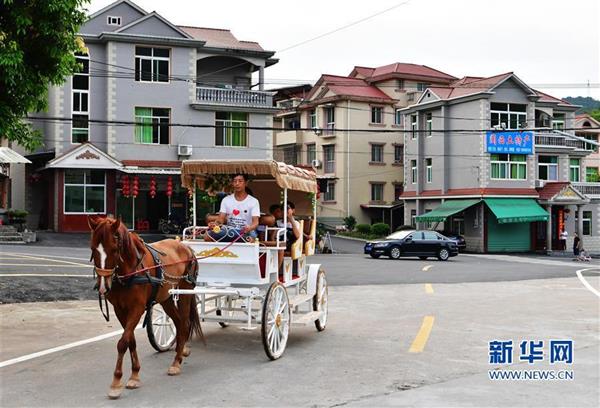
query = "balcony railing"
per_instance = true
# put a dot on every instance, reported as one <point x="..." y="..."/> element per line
<point x="590" y="189"/>
<point x="233" y="97"/>
<point x="553" y="140"/>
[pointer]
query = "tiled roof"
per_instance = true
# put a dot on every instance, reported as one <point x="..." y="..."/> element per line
<point x="344" y="86"/>
<point x="220" y="38"/>
<point x="544" y="97"/>
<point x="410" y="69"/>
<point x="551" y="189"/>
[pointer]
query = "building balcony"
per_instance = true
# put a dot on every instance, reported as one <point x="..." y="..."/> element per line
<point x="552" y="140"/>
<point x="288" y="137"/>
<point x="233" y="97"/>
<point x="589" y="189"/>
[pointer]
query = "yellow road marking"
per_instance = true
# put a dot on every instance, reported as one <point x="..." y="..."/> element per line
<point x="47" y="256"/>
<point x="426" y="268"/>
<point x="428" y="288"/>
<point x="50" y="260"/>
<point x="418" y="344"/>
<point x="48" y="266"/>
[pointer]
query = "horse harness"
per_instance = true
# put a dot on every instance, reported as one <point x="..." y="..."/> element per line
<point x="135" y="279"/>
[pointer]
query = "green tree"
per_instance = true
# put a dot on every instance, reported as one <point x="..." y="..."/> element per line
<point x="37" y="43"/>
<point x="595" y="114"/>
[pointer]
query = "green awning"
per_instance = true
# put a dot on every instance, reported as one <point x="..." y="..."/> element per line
<point x="445" y="210"/>
<point x="516" y="210"/>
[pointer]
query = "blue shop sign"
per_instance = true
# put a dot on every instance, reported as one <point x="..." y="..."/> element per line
<point x="509" y="142"/>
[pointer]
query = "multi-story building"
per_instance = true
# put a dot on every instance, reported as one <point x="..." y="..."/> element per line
<point x="496" y="161"/>
<point x="150" y="93"/>
<point x="349" y="129"/>
<point x="589" y="128"/>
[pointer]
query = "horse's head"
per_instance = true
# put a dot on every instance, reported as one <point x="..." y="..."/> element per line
<point x="110" y="239"/>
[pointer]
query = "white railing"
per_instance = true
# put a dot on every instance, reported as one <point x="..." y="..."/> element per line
<point x="554" y="140"/>
<point x="589" y="189"/>
<point x="233" y="97"/>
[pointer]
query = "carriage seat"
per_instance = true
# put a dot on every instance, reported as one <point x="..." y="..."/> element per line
<point x="309" y="246"/>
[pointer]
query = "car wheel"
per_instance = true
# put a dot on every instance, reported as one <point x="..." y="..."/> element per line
<point x="443" y="254"/>
<point x="375" y="256"/>
<point x="395" y="252"/>
<point x="422" y="258"/>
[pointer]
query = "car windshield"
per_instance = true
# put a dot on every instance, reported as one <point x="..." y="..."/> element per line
<point x="399" y="234"/>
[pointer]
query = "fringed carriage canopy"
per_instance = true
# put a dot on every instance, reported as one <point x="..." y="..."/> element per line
<point x="285" y="175"/>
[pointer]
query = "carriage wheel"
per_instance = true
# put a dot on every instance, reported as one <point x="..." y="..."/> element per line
<point x="161" y="330"/>
<point x="275" y="320"/>
<point x="320" y="300"/>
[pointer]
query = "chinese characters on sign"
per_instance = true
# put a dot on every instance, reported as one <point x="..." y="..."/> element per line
<point x="509" y="142"/>
<point x="560" y="351"/>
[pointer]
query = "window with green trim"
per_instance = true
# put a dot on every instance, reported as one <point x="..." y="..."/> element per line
<point x="231" y="129"/>
<point x="592" y="174"/>
<point x="574" y="169"/>
<point x="508" y="166"/>
<point x="152" y="125"/>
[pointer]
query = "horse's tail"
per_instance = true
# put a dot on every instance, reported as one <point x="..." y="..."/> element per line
<point x="195" y="327"/>
<point x="192" y="272"/>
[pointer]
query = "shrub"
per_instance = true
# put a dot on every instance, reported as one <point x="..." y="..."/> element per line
<point x="405" y="228"/>
<point x="350" y="223"/>
<point x="363" y="228"/>
<point x="380" y="229"/>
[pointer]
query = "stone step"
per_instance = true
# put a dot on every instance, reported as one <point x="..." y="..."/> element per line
<point x="11" y="238"/>
<point x="20" y="242"/>
<point x="5" y="228"/>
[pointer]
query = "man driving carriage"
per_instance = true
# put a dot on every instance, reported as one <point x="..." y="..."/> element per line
<point x="238" y="215"/>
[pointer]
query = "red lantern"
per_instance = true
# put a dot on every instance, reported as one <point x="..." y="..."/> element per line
<point x="136" y="186"/>
<point x="169" y="186"/>
<point x="152" y="187"/>
<point x="125" y="186"/>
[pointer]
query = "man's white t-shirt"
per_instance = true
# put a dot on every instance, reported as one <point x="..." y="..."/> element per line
<point x="240" y="213"/>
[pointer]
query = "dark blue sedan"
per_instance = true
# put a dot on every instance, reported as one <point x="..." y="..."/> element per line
<point x="422" y="244"/>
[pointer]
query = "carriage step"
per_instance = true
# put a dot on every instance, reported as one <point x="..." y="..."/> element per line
<point x="305" y="318"/>
<point x="299" y="299"/>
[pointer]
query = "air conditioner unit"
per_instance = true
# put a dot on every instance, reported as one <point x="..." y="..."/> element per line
<point x="540" y="183"/>
<point x="316" y="163"/>
<point x="317" y="131"/>
<point x="184" y="150"/>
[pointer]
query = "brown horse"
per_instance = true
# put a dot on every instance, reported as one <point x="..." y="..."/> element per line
<point x="128" y="277"/>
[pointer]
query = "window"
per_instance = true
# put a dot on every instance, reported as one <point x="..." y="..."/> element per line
<point x="592" y="174"/>
<point x="329" y="120"/>
<point x="429" y="164"/>
<point x="231" y="129"/>
<point x="430" y="235"/>
<point x="80" y="127"/>
<point x="376" y="114"/>
<point x="413" y="126"/>
<point x="587" y="222"/>
<point x="429" y="121"/>
<point x="413" y="215"/>
<point x="558" y="121"/>
<point x="398" y="190"/>
<point x="152" y="64"/>
<point x="400" y="83"/>
<point x="84" y="191"/>
<point x="152" y="125"/>
<point x="329" y="158"/>
<point x="398" y="154"/>
<point x="398" y="117"/>
<point x="548" y="168"/>
<point x="376" y="153"/>
<point x="574" y="169"/>
<point x="377" y="192"/>
<point x="509" y="166"/>
<point x="312" y="118"/>
<point x="329" y="194"/>
<point x="421" y="86"/>
<point x="311" y="153"/>
<point x="115" y="21"/>
<point x="508" y="115"/>
<point x="589" y="146"/>
<point x="413" y="169"/>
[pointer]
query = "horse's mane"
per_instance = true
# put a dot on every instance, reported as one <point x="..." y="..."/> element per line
<point x="129" y="240"/>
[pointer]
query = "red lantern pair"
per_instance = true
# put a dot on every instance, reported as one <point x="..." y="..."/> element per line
<point x="135" y="188"/>
<point x="152" y="187"/>
<point x="125" y="186"/>
<point x="169" y="186"/>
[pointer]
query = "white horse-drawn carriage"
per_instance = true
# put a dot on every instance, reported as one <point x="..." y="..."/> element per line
<point x="242" y="282"/>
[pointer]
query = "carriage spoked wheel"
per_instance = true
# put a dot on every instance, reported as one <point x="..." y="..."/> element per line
<point x="320" y="300"/>
<point x="275" y="320"/>
<point x="161" y="330"/>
